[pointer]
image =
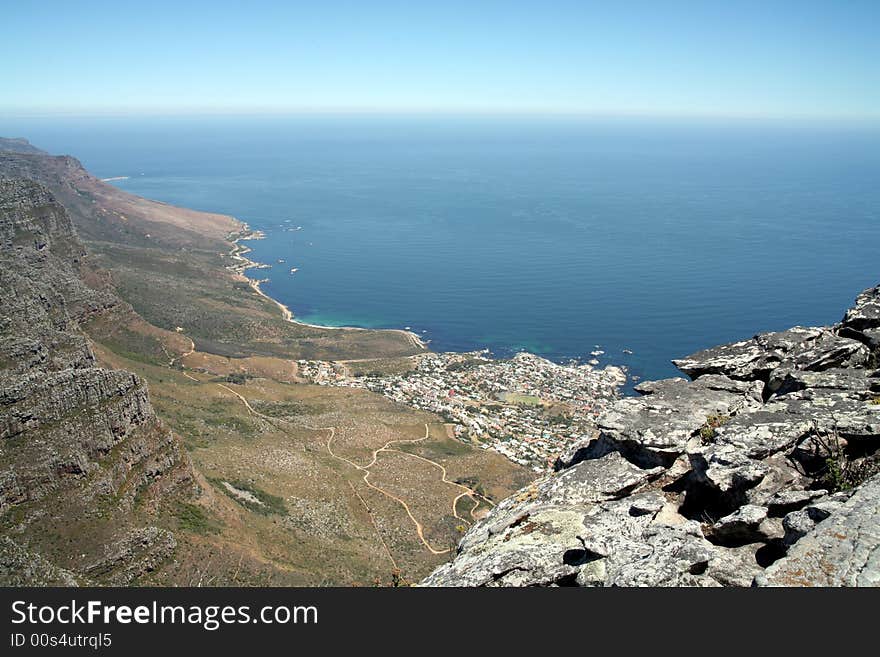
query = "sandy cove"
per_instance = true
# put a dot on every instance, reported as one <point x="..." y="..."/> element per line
<point x="244" y="263"/>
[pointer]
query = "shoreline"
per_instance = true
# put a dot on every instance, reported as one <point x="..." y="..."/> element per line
<point x="244" y="263"/>
<point x="241" y="231"/>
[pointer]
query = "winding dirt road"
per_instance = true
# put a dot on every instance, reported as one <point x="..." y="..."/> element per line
<point x="366" y="479"/>
<point x="192" y="348"/>
<point x="466" y="491"/>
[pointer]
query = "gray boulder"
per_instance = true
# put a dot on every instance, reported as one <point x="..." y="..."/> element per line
<point x="798" y="348"/>
<point x="857" y="382"/>
<point x="788" y="501"/>
<point x="726" y="468"/>
<point x="608" y="478"/>
<point x="655" y="428"/>
<point x="600" y="545"/>
<point x="841" y="550"/>
<point x="865" y="313"/>
<point x="741" y="526"/>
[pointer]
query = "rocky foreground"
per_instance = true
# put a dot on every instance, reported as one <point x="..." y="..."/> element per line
<point x="763" y="470"/>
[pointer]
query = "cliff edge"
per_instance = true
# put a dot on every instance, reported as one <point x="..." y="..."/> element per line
<point x="763" y="469"/>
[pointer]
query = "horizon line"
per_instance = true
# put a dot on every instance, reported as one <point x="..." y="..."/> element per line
<point x="183" y="112"/>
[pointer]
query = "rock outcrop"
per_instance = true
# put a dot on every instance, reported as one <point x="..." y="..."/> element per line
<point x="842" y="550"/>
<point x="763" y="469"/>
<point x="80" y="445"/>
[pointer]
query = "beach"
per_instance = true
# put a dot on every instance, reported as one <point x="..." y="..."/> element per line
<point x="243" y="263"/>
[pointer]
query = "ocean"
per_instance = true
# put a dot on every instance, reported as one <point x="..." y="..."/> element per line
<point x="641" y="239"/>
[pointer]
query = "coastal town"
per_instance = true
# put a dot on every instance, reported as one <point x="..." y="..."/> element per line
<point x="527" y="408"/>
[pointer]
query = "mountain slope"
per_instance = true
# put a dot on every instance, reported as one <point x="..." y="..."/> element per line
<point x="174" y="266"/>
<point x="84" y="461"/>
<point x="274" y="494"/>
<point x="17" y="145"/>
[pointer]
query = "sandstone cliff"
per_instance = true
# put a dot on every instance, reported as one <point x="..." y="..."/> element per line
<point x="107" y="214"/>
<point x="763" y="469"/>
<point x="83" y="458"/>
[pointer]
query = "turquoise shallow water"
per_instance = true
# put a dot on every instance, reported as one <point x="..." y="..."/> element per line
<point x="557" y="236"/>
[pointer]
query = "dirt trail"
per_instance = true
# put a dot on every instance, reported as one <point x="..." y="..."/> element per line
<point x="242" y="398"/>
<point x="247" y="404"/>
<point x="192" y="348"/>
<point x="466" y="491"/>
<point x="366" y="479"/>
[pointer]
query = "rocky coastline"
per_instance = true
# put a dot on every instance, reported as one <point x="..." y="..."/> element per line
<point x="242" y="264"/>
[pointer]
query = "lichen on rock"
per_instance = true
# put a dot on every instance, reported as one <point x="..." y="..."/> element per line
<point x="763" y="469"/>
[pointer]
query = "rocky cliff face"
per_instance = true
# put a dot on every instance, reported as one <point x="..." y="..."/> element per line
<point x="107" y="214"/>
<point x="763" y="469"/>
<point x="83" y="457"/>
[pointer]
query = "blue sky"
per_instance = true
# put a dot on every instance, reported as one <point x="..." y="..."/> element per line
<point x="733" y="58"/>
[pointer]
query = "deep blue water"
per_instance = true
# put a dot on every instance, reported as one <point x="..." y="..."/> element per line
<point x="550" y="235"/>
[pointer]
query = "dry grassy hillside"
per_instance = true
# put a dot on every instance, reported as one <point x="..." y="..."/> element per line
<point x="295" y="484"/>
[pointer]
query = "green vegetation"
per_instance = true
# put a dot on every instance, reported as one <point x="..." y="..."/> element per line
<point x="709" y="429"/>
<point x="465" y="364"/>
<point x="232" y="423"/>
<point x="474" y="485"/>
<point x="288" y="409"/>
<point x="463" y="508"/>
<point x="192" y="518"/>
<point x="376" y="367"/>
<point x="843" y="474"/>
<point x="139" y="346"/>
<point x="170" y="287"/>
<point x="846" y="475"/>
<point x="132" y="346"/>
<point x="521" y="399"/>
<point x="841" y="471"/>
<point x="875" y="401"/>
